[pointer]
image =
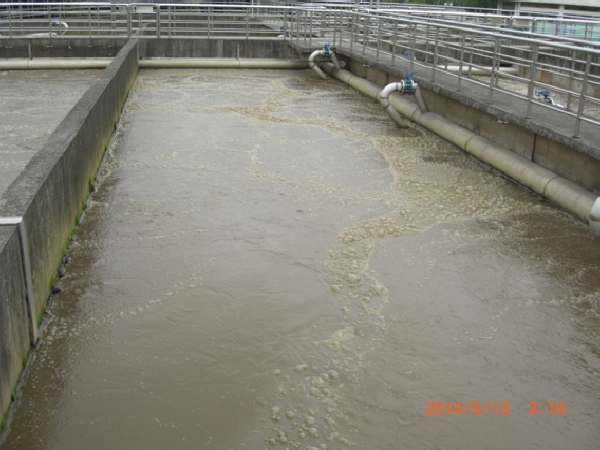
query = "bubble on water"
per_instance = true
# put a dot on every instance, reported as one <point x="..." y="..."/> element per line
<point x="282" y="437"/>
<point x="336" y="288"/>
<point x="310" y="421"/>
<point x="313" y="432"/>
<point x="301" y="435"/>
<point x="301" y="368"/>
<point x="318" y="382"/>
<point x="290" y="414"/>
<point x="276" y="372"/>
<point x="338" y="338"/>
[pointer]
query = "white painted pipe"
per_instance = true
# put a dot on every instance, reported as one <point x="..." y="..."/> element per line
<point x="389" y="109"/>
<point x="563" y="193"/>
<point x="595" y="218"/>
<point x="36" y="64"/>
<point x="479" y="70"/>
<point x="335" y="61"/>
<point x="420" y="99"/>
<point x="223" y="64"/>
<point x="313" y="66"/>
<point x="151" y="63"/>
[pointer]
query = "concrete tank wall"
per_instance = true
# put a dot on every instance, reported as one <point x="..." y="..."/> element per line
<point x="277" y="48"/>
<point x="49" y="194"/>
<point x="14" y="328"/>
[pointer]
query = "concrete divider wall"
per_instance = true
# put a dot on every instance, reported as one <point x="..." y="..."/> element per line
<point x="62" y="47"/>
<point x="49" y="194"/>
<point x="14" y="323"/>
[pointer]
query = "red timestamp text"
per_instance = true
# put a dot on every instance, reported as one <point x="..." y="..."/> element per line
<point x="476" y="408"/>
<point x="551" y="408"/>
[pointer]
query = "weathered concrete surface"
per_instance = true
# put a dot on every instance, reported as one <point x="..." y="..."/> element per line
<point x="60" y="47"/>
<point x="50" y="192"/>
<point x="276" y="48"/>
<point x="14" y="322"/>
<point x="32" y="104"/>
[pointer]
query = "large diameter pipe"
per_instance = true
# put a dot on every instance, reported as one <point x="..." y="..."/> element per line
<point x="40" y="64"/>
<point x="479" y="70"/>
<point x="313" y="66"/>
<point x="595" y="218"/>
<point x="154" y="63"/>
<point x="563" y="193"/>
<point x="222" y="64"/>
<point x="420" y="99"/>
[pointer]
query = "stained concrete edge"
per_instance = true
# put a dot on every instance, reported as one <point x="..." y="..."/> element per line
<point x="49" y="194"/>
<point x="14" y="323"/>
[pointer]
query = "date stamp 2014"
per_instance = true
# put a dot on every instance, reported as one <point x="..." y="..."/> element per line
<point x="492" y="407"/>
<point x="476" y="408"/>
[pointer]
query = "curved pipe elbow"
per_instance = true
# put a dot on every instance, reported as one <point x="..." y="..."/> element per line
<point x="313" y="66"/>
<point x="389" y="109"/>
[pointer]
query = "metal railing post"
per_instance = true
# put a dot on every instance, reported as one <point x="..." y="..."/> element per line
<point x="493" y="75"/>
<point x="158" y="21"/>
<point x="334" y="27"/>
<point x="581" y="107"/>
<point x="10" y="31"/>
<point x="247" y="23"/>
<point x="50" y="22"/>
<point x="427" y="45"/>
<point x="378" y="39"/>
<point x="435" y="53"/>
<point x="351" y="31"/>
<point x="366" y="36"/>
<point x="128" y="20"/>
<point x="170" y="20"/>
<point x="531" y="79"/>
<point x="312" y="18"/>
<point x="460" y="62"/>
<point x="304" y="24"/>
<point x="571" y="81"/>
<point x="413" y="47"/>
<point x="471" y="57"/>
<point x="394" y="40"/>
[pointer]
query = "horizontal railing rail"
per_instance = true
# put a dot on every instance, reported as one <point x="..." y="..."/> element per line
<point x="557" y="72"/>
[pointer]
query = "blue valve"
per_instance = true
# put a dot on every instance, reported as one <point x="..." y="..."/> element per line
<point x="327" y="49"/>
<point x="546" y="94"/>
<point x="409" y="82"/>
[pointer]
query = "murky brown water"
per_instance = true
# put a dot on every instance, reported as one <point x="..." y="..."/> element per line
<point x="32" y="104"/>
<point x="270" y="263"/>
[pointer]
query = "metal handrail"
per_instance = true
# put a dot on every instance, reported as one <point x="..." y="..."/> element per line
<point x="571" y="67"/>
